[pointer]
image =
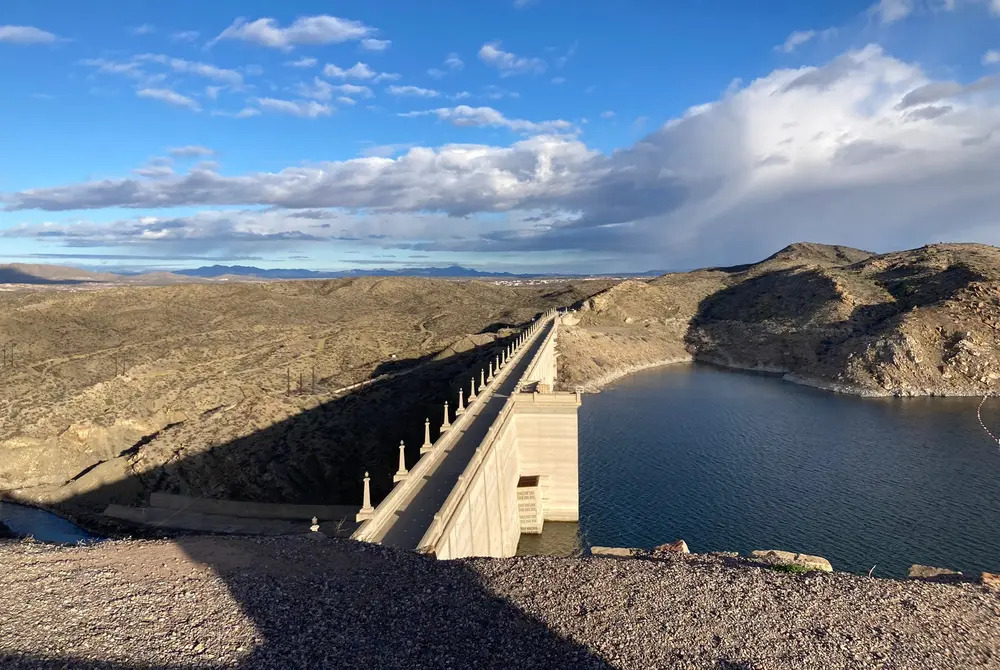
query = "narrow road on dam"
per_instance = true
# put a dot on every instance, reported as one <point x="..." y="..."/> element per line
<point x="416" y="517"/>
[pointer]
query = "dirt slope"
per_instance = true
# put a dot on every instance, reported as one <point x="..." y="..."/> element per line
<point x="186" y="386"/>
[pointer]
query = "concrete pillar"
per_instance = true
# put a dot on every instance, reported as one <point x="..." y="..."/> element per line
<point x="490" y="378"/>
<point x="367" y="511"/>
<point x="426" y="446"/>
<point x="496" y="365"/>
<point x="482" y="379"/>
<point x="460" y="410"/>
<point x="402" y="472"/>
<point x="472" y="390"/>
<point x="447" y="424"/>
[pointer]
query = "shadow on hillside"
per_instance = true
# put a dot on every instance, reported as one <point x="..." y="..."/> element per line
<point x="336" y="603"/>
<point x="801" y="300"/>
<point x="13" y="276"/>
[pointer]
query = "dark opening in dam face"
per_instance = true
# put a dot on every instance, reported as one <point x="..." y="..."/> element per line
<point x="734" y="461"/>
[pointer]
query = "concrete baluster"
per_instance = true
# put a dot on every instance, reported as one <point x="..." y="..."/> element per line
<point x="426" y="446"/>
<point x="490" y="377"/>
<point x="496" y="364"/>
<point x="402" y="472"/>
<point x="447" y="424"/>
<point x="472" y="390"/>
<point x="367" y="511"/>
<point x="460" y="410"/>
<point x="482" y="379"/>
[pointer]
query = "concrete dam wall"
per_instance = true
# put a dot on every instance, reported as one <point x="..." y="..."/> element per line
<point x="507" y="465"/>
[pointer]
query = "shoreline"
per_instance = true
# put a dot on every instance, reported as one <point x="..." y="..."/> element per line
<point x="597" y="384"/>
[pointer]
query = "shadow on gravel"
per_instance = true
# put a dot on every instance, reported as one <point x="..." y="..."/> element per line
<point x="323" y="603"/>
<point x="360" y="606"/>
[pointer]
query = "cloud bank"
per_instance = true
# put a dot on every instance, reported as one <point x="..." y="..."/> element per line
<point x="865" y="150"/>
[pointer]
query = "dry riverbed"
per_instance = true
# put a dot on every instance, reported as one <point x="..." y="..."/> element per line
<point x="309" y="602"/>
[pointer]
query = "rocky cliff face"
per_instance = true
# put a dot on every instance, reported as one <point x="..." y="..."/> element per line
<point x="920" y="322"/>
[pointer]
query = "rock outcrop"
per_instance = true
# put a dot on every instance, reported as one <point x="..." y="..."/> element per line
<point x="805" y="561"/>
<point x="919" y="322"/>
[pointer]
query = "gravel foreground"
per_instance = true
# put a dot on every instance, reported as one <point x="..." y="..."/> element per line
<point x="310" y="602"/>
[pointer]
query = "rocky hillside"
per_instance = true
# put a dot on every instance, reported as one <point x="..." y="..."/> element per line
<point x="209" y="389"/>
<point x="919" y="322"/>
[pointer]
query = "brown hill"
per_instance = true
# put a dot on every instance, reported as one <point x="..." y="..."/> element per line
<point x="916" y="322"/>
<point x="185" y="388"/>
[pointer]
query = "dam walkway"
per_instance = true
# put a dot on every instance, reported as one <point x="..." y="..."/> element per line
<point x="431" y="491"/>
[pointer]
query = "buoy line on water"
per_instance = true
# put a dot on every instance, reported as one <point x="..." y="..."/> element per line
<point x="979" y="415"/>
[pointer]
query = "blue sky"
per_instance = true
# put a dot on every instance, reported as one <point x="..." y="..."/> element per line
<point x="532" y="135"/>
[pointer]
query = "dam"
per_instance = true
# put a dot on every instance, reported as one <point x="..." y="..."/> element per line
<point x="504" y="462"/>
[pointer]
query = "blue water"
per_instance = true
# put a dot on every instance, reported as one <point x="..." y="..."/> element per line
<point x="43" y="526"/>
<point x="733" y="461"/>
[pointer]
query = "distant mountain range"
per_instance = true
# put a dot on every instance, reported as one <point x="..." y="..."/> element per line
<point x="299" y="273"/>
<point x="18" y="273"/>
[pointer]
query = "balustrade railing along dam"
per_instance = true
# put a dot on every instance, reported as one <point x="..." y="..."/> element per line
<point x="504" y="461"/>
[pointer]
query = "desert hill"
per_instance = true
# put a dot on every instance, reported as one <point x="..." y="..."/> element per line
<point x="918" y="322"/>
<point x="186" y="388"/>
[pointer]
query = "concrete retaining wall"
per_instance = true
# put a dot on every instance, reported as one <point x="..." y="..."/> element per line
<point x="547" y="444"/>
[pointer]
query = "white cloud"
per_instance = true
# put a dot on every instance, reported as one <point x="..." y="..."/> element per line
<point x="823" y="154"/>
<point x="508" y="63"/>
<point x="995" y="6"/>
<point x="492" y="92"/>
<point x="413" y="91"/>
<point x="344" y="100"/>
<point x="453" y="62"/>
<point x="354" y="90"/>
<point x="144" y="29"/>
<point x="230" y="77"/>
<point x="26" y="35"/>
<point x="795" y="40"/>
<point x="890" y="11"/>
<point x="244" y="113"/>
<point x="372" y="44"/>
<point x="302" y="62"/>
<point x="306" y="109"/>
<point x="991" y="57"/>
<point x="185" y="36"/>
<point x="130" y="68"/>
<point x="306" y="30"/>
<point x="436" y="73"/>
<point x="357" y="71"/>
<point x="191" y="151"/>
<point x="558" y="80"/>
<point x="170" y="97"/>
<point x="466" y="116"/>
<point x="607" y="114"/>
<point x="386" y="76"/>
<point x="319" y="90"/>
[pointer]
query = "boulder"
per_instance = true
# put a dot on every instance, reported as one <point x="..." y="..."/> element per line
<point x="775" y="557"/>
<point x="990" y="580"/>
<point x="918" y="571"/>
<point x="678" y="547"/>
<point x="620" y="552"/>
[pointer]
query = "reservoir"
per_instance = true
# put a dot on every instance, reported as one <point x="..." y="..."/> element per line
<point x="732" y="461"/>
<point x="44" y="526"/>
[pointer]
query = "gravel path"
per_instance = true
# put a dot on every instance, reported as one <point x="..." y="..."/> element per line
<point x="308" y="602"/>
